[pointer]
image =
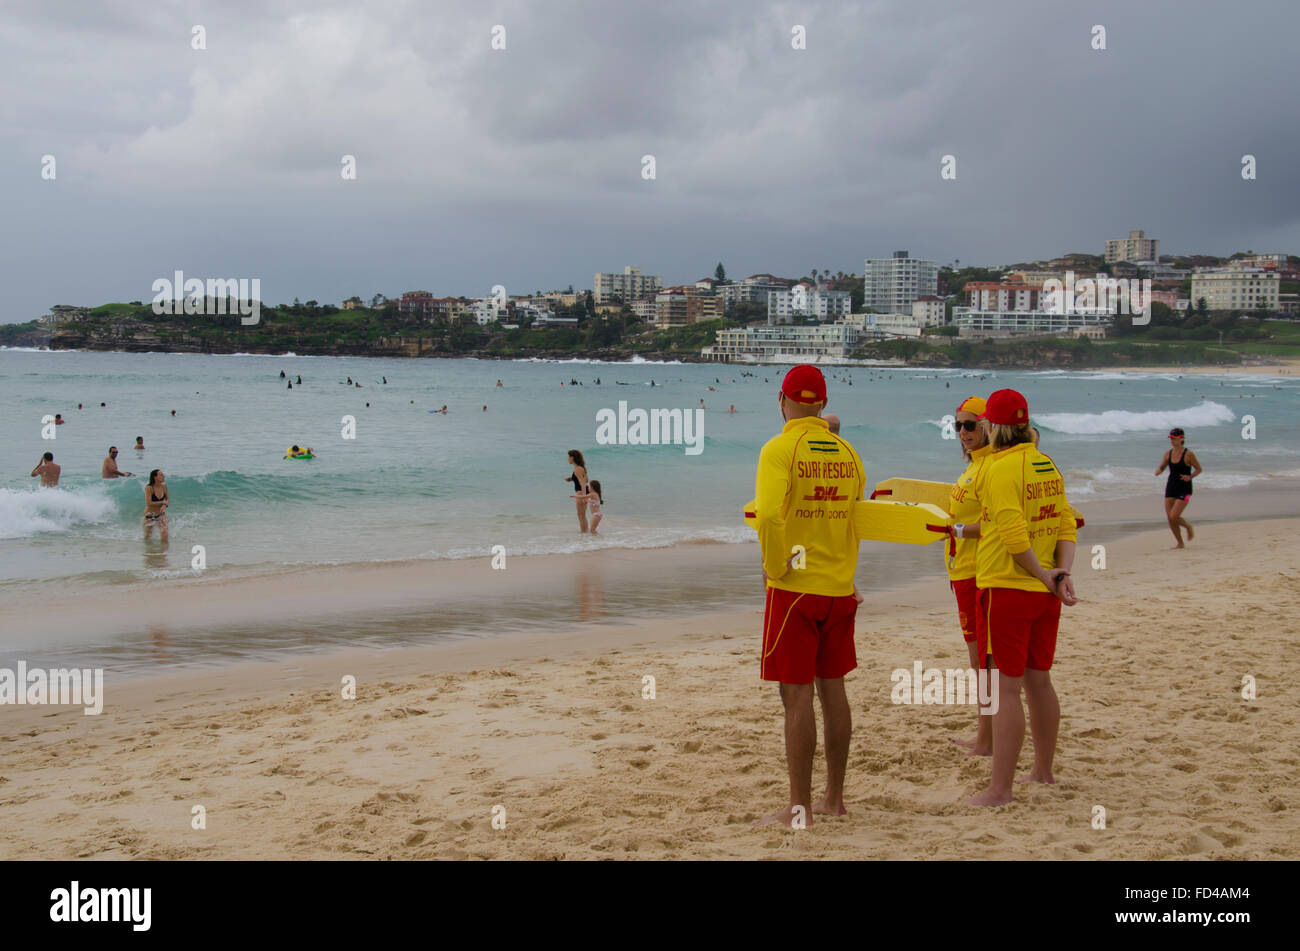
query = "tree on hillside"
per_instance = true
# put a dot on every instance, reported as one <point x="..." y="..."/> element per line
<point x="720" y="273"/>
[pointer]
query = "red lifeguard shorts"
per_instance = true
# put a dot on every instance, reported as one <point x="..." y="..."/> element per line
<point x="967" y="609"/>
<point x="807" y="636"/>
<point x="1021" y="627"/>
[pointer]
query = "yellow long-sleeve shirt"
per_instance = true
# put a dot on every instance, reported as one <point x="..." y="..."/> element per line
<point x="964" y="506"/>
<point x="1024" y="506"/>
<point x="808" y="482"/>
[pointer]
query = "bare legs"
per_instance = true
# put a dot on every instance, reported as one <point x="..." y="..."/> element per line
<point x="582" y="516"/>
<point x="1009" y="734"/>
<point x="982" y="745"/>
<point x="1174" y="513"/>
<point x="801" y="743"/>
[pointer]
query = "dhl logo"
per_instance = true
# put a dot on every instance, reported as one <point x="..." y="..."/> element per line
<point x="1046" y="512"/>
<point x="825" y="493"/>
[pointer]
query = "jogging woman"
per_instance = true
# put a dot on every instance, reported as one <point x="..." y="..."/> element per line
<point x="1178" y="487"/>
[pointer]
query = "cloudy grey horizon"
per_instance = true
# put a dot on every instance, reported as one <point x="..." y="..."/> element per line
<point x="522" y="166"/>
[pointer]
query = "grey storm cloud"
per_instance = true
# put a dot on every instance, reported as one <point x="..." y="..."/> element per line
<point x="522" y="166"/>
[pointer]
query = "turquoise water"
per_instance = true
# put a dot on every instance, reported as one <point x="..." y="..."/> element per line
<point x="415" y="484"/>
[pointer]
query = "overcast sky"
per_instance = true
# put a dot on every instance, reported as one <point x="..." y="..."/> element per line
<point x="522" y="166"/>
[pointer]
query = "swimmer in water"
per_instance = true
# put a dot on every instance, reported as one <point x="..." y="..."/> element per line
<point x="156" y="500"/>
<point x="58" y="419"/>
<point x="139" y="443"/>
<point x="109" y="469"/>
<point x="48" y="471"/>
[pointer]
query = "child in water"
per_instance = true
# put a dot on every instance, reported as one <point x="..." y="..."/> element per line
<point x="594" y="498"/>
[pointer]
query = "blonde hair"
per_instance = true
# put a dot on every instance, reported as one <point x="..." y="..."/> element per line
<point x="1006" y="435"/>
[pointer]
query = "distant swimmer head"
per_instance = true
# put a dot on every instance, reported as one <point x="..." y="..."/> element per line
<point x="294" y="449"/>
<point x="1008" y="414"/>
<point x="803" y="392"/>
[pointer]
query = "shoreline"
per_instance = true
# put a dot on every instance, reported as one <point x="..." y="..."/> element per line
<point x="146" y="629"/>
<point x="561" y="735"/>
<point x="1288" y="366"/>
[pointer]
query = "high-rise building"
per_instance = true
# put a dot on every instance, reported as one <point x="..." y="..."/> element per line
<point x="804" y="300"/>
<point x="1136" y="247"/>
<point x="630" y="285"/>
<point x="891" y="284"/>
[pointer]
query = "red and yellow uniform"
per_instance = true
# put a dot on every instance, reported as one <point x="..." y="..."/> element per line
<point x="1024" y="506"/>
<point x="807" y="485"/>
<point x="964" y="507"/>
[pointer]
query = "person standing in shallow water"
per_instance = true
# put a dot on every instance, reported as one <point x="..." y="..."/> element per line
<point x="581" y="487"/>
<point x="156" y="499"/>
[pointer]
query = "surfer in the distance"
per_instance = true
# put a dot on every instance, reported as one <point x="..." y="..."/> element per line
<point x="1178" y="487"/>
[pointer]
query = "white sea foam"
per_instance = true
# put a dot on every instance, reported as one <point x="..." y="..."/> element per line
<point x="24" y="514"/>
<point x="1117" y="421"/>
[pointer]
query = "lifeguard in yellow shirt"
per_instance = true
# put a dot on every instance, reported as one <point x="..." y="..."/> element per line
<point x="1022" y="570"/>
<point x="964" y="510"/>
<point x="808" y="482"/>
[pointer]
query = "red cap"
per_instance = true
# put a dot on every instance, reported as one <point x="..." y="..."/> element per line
<point x="804" y="384"/>
<point x="1006" y="408"/>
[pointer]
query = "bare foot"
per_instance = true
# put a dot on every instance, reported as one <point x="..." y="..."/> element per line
<point x="978" y="750"/>
<point x="783" y="817"/>
<point x="1033" y="776"/>
<point x="1176" y="547"/>
<point x="989" y="798"/>
<point x="823" y="808"/>
<point x="965" y="744"/>
<point x="1190" y="534"/>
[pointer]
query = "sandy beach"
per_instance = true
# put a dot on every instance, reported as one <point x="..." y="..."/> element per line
<point x="1274" y="366"/>
<point x="583" y="765"/>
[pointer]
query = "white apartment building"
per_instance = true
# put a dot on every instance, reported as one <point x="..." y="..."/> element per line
<point x="928" y="310"/>
<point x="630" y="285"/>
<point x="1236" y="288"/>
<point x="891" y="284"/>
<point x="974" y="322"/>
<point x="885" y="325"/>
<point x="820" y="343"/>
<point x="1136" y="247"/>
<point x="804" y="300"/>
<point x="752" y="290"/>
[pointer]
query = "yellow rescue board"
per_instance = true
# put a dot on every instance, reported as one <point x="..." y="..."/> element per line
<point x="902" y="522"/>
<point x="931" y="493"/>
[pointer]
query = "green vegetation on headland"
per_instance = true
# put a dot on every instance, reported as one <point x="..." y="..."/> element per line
<point x="1200" y="338"/>
<point x="382" y="332"/>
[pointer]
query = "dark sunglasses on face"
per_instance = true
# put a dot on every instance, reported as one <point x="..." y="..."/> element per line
<point x="970" y="425"/>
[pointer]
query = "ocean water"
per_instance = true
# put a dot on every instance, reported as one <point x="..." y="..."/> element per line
<point x="416" y="484"/>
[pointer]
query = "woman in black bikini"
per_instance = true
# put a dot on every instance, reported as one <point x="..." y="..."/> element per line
<point x="1178" y="487"/>
<point x="156" y="500"/>
<point x="579" y="480"/>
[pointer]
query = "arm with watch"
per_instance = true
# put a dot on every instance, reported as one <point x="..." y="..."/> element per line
<point x="966" y="530"/>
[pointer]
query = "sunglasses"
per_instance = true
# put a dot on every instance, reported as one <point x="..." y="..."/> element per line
<point x="970" y="425"/>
